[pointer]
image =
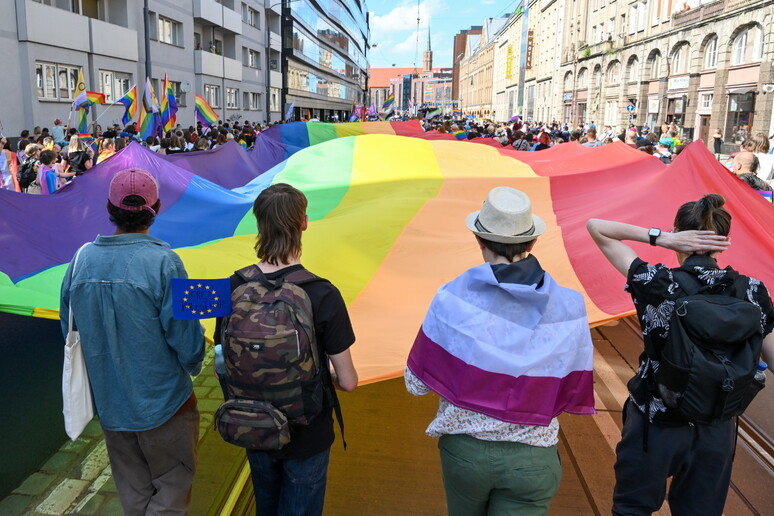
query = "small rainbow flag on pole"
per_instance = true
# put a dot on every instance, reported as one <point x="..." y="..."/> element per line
<point x="168" y="106"/>
<point x="147" y="124"/>
<point x="87" y="98"/>
<point x="204" y="113"/>
<point x="130" y="104"/>
<point x="388" y="102"/>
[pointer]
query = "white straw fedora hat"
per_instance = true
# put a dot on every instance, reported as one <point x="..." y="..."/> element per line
<point x="506" y="217"/>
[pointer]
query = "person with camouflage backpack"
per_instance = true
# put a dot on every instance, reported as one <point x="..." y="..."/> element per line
<point x="278" y="305"/>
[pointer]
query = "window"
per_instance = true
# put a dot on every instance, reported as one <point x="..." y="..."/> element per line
<point x="611" y="112"/>
<point x="212" y="95"/>
<point x="179" y="93"/>
<point x="55" y="81"/>
<point x="253" y="58"/>
<point x="581" y="80"/>
<point x="711" y="53"/>
<point x="114" y="84"/>
<point x="250" y="16"/>
<point x="255" y="101"/>
<point x="232" y="98"/>
<point x="706" y="100"/>
<point x="740" y="45"/>
<point x="614" y="73"/>
<point x="655" y="66"/>
<point x="740" y="117"/>
<point x="642" y="16"/>
<point x="170" y="31"/>
<point x="633" y="70"/>
<point x="679" y="60"/>
<point x="275" y="99"/>
<point x="633" y="19"/>
<point x="246" y="101"/>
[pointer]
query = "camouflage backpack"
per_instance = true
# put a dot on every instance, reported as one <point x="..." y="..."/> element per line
<point x="273" y="372"/>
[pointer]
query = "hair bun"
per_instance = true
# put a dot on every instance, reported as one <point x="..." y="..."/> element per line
<point x="712" y="202"/>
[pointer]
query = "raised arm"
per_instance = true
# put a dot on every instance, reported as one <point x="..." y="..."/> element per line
<point x="609" y="236"/>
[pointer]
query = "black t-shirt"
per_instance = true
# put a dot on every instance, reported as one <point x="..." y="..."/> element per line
<point x="654" y="290"/>
<point x="334" y="334"/>
<point x="78" y="161"/>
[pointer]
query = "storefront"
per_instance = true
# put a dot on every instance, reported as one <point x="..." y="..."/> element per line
<point x="652" y="117"/>
<point x="739" y="115"/>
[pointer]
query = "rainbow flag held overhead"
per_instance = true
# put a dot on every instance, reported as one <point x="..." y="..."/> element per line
<point x="460" y="134"/>
<point x="204" y="113"/>
<point x="388" y="102"/>
<point x="88" y="98"/>
<point x="403" y="195"/>
<point x="456" y="113"/>
<point x="149" y="102"/>
<point x="168" y="106"/>
<point x="83" y="120"/>
<point x="131" y="105"/>
<point x="432" y="113"/>
<point x="148" y="124"/>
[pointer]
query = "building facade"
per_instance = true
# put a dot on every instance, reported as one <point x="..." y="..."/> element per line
<point x="477" y="69"/>
<point x="215" y="49"/>
<point x="325" y="61"/>
<point x="703" y="65"/>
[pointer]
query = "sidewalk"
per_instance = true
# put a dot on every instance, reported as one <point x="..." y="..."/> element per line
<point x="77" y="479"/>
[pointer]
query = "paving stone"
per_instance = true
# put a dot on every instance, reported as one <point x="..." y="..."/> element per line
<point x="62" y="496"/>
<point x="95" y="462"/>
<point x="77" y="445"/>
<point x="209" y="406"/>
<point x="35" y="485"/>
<point x="93" y="429"/>
<point x="211" y="381"/>
<point x="89" y="505"/>
<point x="109" y="487"/>
<point x="15" y="505"/>
<point x="60" y="461"/>
<point x="202" y="392"/>
<point x="111" y="508"/>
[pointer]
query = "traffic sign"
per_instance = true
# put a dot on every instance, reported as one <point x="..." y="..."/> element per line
<point x="630" y="108"/>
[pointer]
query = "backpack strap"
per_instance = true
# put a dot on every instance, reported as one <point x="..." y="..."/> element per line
<point x="689" y="283"/>
<point x="254" y="273"/>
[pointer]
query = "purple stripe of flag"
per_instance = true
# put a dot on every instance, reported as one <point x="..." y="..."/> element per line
<point x="526" y="400"/>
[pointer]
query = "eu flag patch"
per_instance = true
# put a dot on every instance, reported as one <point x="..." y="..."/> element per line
<point x="201" y="298"/>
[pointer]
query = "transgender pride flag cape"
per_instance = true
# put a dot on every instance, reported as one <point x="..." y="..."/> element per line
<point x="518" y="353"/>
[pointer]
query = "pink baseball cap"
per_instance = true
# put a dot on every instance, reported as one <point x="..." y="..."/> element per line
<point x="134" y="181"/>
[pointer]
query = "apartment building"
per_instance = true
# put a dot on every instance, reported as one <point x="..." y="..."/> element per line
<point x="214" y="48"/>
<point x="460" y="47"/>
<point x="704" y="65"/>
<point x="325" y="61"/>
<point x="477" y="69"/>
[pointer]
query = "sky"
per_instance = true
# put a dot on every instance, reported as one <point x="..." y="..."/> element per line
<point x="394" y="28"/>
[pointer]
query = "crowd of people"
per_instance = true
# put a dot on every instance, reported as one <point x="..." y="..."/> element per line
<point x="753" y="163"/>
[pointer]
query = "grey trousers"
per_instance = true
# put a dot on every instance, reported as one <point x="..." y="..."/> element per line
<point x="154" y="469"/>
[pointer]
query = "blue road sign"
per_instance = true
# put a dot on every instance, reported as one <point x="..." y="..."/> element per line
<point x="630" y="108"/>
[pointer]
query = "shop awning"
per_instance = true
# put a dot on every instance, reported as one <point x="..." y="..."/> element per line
<point x="741" y="90"/>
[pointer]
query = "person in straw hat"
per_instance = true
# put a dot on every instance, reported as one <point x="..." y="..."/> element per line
<point x="507" y="350"/>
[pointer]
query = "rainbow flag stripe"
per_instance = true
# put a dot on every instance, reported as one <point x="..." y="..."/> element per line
<point x="88" y="98"/>
<point x="204" y="113"/>
<point x="388" y="102"/>
<point x="403" y="195"/>
<point x="131" y="105"/>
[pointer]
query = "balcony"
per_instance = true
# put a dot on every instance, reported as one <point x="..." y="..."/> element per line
<point x="76" y="37"/>
<point x="112" y="40"/>
<point x="275" y="41"/>
<point x="210" y="11"/>
<point x="702" y="12"/>
<point x="207" y="63"/>
<point x="586" y="51"/>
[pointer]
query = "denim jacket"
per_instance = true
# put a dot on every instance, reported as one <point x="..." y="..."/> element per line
<point x="139" y="358"/>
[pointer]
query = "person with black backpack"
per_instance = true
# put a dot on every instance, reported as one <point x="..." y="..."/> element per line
<point x="285" y="327"/>
<point x="704" y="329"/>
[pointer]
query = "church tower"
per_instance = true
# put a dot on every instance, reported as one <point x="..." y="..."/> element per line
<point x="427" y="55"/>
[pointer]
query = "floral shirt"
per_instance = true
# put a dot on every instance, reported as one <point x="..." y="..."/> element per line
<point x="451" y="419"/>
<point x="654" y="291"/>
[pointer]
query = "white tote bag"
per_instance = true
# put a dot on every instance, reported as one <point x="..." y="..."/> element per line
<point x="76" y="391"/>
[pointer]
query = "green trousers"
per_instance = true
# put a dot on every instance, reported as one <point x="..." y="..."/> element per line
<point x="492" y="478"/>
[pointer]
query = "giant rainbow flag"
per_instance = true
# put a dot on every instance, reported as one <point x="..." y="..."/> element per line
<point x="387" y="205"/>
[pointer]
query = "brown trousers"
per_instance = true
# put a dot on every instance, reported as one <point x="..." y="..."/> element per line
<point x="154" y="469"/>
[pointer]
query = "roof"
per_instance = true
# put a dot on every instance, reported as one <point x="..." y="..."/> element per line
<point x="380" y="77"/>
<point x="474" y="40"/>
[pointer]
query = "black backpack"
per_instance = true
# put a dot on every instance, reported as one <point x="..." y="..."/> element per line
<point x="707" y="367"/>
<point x="27" y="173"/>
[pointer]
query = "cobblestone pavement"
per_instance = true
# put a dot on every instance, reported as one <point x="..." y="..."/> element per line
<point x="77" y="478"/>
